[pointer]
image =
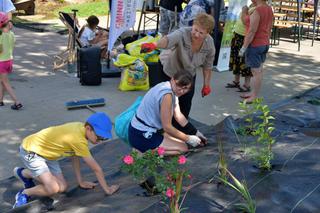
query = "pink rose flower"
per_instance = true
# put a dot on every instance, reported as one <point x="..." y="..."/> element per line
<point x="182" y="159"/>
<point x="128" y="159"/>
<point x="170" y="192"/>
<point x="161" y="151"/>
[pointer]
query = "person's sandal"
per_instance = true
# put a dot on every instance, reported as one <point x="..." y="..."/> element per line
<point x="16" y="106"/>
<point x="234" y="84"/>
<point x="1" y="103"/>
<point x="244" y="88"/>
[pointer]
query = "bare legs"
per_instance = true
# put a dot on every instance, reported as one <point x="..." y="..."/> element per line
<point x="173" y="146"/>
<point x="50" y="184"/>
<point x="236" y="82"/>
<point x="237" y="78"/>
<point x="257" y="82"/>
<point x="5" y="86"/>
<point x="247" y="81"/>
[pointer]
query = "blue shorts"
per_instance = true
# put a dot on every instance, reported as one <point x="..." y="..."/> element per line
<point x="255" y="56"/>
<point x="143" y="140"/>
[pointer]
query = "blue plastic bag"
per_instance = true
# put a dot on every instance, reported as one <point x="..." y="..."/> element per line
<point x="123" y="120"/>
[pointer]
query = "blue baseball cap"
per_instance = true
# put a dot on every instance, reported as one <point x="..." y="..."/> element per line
<point x="101" y="124"/>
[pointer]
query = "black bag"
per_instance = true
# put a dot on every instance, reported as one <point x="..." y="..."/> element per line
<point x="89" y="66"/>
<point x="156" y="74"/>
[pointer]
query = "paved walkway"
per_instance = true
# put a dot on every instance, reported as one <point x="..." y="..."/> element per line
<point x="44" y="92"/>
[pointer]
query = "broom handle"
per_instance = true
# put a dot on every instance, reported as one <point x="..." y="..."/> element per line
<point x="90" y="108"/>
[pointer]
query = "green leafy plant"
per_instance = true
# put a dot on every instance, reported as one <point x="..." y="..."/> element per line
<point x="262" y="153"/>
<point x="168" y="181"/>
<point x="248" y="111"/>
<point x="241" y="187"/>
<point x="222" y="164"/>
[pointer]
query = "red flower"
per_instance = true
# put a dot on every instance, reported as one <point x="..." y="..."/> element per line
<point x="170" y="192"/>
<point x="128" y="159"/>
<point x="189" y="176"/>
<point x="182" y="159"/>
<point x="161" y="151"/>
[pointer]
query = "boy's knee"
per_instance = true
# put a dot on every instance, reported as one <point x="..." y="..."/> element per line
<point x="53" y="188"/>
<point x="63" y="187"/>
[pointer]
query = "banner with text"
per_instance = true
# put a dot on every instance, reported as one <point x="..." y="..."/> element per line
<point x="234" y="9"/>
<point x="123" y="16"/>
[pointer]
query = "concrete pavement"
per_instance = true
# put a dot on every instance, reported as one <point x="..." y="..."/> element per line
<point x="44" y="92"/>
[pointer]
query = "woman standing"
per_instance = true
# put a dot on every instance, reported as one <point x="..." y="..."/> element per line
<point x="188" y="49"/>
<point x="237" y="63"/>
<point x="256" y="45"/>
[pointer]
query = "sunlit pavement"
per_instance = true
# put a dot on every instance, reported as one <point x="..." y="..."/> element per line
<point x="44" y="92"/>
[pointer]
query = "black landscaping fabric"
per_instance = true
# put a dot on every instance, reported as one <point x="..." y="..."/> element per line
<point x="293" y="184"/>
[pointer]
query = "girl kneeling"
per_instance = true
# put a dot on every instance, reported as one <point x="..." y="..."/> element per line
<point x="155" y="113"/>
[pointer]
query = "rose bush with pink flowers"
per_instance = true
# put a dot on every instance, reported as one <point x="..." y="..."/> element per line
<point x="128" y="159"/>
<point x="168" y="173"/>
<point x="161" y="151"/>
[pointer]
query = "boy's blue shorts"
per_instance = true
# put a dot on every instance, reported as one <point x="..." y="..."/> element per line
<point x="255" y="56"/>
<point x="143" y="140"/>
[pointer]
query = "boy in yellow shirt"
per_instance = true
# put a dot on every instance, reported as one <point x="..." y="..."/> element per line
<point x="41" y="151"/>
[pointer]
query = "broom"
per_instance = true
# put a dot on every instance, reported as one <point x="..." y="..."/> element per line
<point x="76" y="104"/>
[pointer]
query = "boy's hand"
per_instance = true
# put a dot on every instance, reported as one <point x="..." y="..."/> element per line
<point x="87" y="185"/>
<point x="112" y="189"/>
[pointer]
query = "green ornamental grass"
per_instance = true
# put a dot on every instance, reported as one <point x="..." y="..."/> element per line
<point x="249" y="204"/>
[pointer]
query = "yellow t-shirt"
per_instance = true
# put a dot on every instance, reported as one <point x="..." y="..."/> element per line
<point x="59" y="141"/>
<point x="7" y="44"/>
<point x="240" y="27"/>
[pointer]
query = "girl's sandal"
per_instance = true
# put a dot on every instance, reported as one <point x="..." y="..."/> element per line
<point x="16" y="106"/>
<point x="1" y="103"/>
<point x="234" y="84"/>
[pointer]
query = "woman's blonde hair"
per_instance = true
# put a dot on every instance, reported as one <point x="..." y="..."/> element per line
<point x="205" y="21"/>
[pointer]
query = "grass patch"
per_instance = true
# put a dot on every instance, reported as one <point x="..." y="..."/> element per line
<point x="19" y="20"/>
<point x="86" y="9"/>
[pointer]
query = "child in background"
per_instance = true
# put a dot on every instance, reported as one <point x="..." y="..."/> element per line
<point x="7" y="41"/>
<point x="91" y="35"/>
<point x="41" y="151"/>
